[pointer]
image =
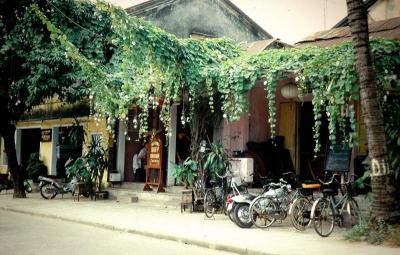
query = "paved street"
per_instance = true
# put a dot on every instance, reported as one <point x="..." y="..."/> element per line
<point x="150" y="220"/>
<point x="26" y="234"/>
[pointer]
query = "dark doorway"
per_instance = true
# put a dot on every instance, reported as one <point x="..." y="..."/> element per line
<point x="182" y="137"/>
<point x="311" y="167"/>
<point x="30" y="143"/>
<point x="70" y="141"/>
<point x="132" y="148"/>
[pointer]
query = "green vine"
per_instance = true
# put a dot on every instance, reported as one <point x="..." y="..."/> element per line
<point x="148" y="64"/>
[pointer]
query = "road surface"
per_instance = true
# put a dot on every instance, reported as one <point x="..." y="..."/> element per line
<point x="25" y="234"/>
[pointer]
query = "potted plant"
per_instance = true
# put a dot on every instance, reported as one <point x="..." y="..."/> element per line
<point x="185" y="173"/>
<point x="97" y="162"/>
<point x="89" y="168"/>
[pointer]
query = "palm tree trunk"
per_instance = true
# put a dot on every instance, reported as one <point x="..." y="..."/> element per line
<point x="382" y="177"/>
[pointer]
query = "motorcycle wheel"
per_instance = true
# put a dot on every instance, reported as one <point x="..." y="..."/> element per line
<point x="48" y="191"/>
<point x="27" y="187"/>
<point x="230" y="214"/>
<point x="241" y="216"/>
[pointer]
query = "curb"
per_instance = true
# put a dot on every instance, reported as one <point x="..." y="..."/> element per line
<point x="204" y="244"/>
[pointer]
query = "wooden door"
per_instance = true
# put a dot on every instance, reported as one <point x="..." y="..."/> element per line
<point x="288" y="122"/>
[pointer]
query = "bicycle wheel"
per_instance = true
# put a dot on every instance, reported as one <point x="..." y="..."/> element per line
<point x="209" y="203"/>
<point x="323" y="217"/>
<point x="351" y="213"/>
<point x="301" y="213"/>
<point x="260" y="211"/>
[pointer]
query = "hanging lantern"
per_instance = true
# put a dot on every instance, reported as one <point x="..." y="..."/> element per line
<point x="290" y="91"/>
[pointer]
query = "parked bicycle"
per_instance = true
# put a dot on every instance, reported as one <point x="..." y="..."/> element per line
<point x="272" y="205"/>
<point x="300" y="209"/>
<point x="216" y="198"/>
<point x="326" y="211"/>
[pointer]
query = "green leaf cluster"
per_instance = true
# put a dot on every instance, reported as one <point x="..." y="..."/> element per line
<point x="186" y="172"/>
<point x="148" y="63"/>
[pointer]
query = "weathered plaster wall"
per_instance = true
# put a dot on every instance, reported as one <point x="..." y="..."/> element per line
<point x="207" y="17"/>
<point x="259" y="130"/>
<point x="384" y="9"/>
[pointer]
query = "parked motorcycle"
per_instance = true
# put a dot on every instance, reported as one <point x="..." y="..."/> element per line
<point x="50" y="188"/>
<point x="272" y="205"/>
<point x="239" y="209"/>
<point x="6" y="184"/>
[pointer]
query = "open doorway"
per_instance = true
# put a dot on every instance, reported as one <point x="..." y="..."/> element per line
<point x="311" y="167"/>
<point x="30" y="143"/>
<point x="183" y="137"/>
<point x="70" y="141"/>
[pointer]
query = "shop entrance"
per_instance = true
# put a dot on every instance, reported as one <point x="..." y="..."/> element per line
<point x="311" y="167"/>
<point x="70" y="140"/>
<point x="30" y="143"/>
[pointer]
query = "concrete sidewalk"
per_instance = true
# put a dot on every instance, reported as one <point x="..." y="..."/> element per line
<point x="159" y="222"/>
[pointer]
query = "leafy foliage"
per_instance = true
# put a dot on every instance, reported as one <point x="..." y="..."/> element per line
<point x="378" y="233"/>
<point x="90" y="167"/>
<point x="78" y="169"/>
<point x="216" y="161"/>
<point x="185" y="173"/>
<point x="34" y="67"/>
<point x="35" y="167"/>
<point x="148" y="63"/>
<point x="97" y="160"/>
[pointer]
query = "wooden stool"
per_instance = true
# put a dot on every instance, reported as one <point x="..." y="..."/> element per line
<point x="187" y="200"/>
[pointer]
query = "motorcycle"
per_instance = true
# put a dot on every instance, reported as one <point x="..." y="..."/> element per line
<point x="272" y="205"/>
<point x="50" y="188"/>
<point x="6" y="184"/>
<point x="239" y="209"/>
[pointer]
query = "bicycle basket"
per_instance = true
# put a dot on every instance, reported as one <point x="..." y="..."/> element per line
<point x="306" y="192"/>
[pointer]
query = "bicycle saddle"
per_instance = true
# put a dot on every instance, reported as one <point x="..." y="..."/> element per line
<point x="311" y="185"/>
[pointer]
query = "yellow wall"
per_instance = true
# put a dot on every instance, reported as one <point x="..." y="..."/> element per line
<point x="3" y="168"/>
<point x="46" y="148"/>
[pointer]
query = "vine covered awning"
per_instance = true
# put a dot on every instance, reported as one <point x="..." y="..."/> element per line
<point x="149" y="63"/>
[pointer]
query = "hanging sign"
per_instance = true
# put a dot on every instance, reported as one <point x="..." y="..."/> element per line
<point x="154" y="171"/>
<point x="45" y="135"/>
<point x="155" y="154"/>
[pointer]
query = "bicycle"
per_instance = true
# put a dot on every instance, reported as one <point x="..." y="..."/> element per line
<point x="326" y="211"/>
<point x="272" y="205"/>
<point x="300" y="209"/>
<point x="215" y="198"/>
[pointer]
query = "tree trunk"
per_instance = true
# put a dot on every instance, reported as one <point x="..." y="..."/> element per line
<point x="7" y="131"/>
<point x="382" y="177"/>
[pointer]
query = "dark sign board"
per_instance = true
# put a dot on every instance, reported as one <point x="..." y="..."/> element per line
<point x="45" y="135"/>
<point x="338" y="160"/>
